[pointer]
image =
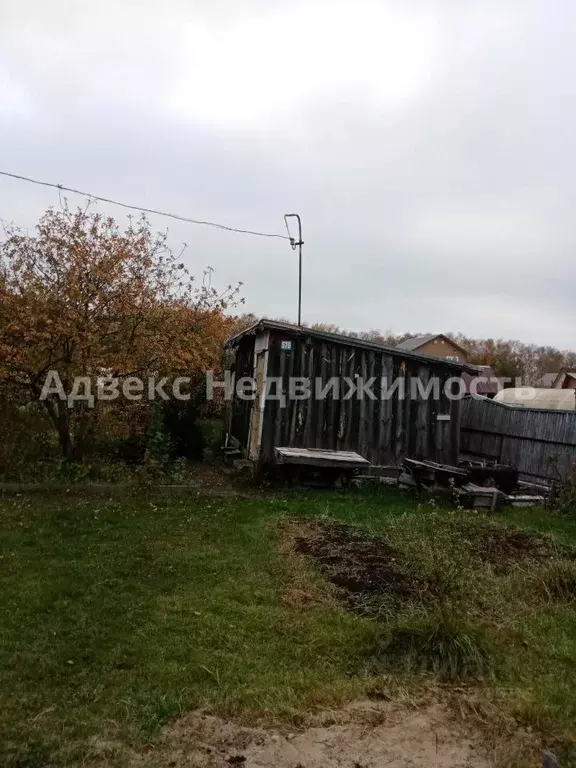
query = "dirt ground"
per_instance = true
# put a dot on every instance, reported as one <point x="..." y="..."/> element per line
<point x="365" y="734"/>
<point x="505" y="546"/>
<point x="357" y="565"/>
<point x="361" y="566"/>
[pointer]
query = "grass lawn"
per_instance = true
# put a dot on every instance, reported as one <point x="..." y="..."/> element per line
<point x="120" y="613"/>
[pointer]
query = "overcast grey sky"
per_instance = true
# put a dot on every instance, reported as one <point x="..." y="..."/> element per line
<point x="429" y="146"/>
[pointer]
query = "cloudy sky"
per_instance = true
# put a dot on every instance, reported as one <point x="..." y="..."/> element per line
<point x="429" y="146"/>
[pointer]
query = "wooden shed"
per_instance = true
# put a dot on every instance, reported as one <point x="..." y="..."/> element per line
<point x="418" y="417"/>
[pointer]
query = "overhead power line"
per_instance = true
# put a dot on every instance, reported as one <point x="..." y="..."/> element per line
<point x="188" y="220"/>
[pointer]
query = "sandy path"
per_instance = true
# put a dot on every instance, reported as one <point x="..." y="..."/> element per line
<point x="363" y="735"/>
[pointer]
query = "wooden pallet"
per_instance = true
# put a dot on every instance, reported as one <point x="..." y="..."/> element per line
<point x="320" y="457"/>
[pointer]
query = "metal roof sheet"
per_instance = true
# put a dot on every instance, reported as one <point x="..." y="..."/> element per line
<point x="533" y="397"/>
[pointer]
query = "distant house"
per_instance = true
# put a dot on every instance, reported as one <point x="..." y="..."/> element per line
<point x="436" y="345"/>
<point x="439" y="345"/>
<point x="546" y="381"/>
<point x="484" y="384"/>
<point x="565" y="380"/>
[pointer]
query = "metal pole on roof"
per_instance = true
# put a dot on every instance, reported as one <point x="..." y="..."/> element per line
<point x="297" y="243"/>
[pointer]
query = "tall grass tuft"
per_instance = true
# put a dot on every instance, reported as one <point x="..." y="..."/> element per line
<point x="444" y="644"/>
<point x="559" y="581"/>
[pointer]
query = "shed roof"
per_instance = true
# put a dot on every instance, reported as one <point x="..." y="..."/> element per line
<point x="351" y="341"/>
<point x="416" y="342"/>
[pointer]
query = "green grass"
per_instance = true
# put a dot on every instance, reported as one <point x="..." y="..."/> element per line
<point x="120" y="613"/>
<point x="442" y="644"/>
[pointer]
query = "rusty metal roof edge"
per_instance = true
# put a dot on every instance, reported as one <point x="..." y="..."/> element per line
<point x="349" y="341"/>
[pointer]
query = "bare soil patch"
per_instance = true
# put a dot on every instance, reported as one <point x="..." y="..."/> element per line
<point x="363" y="735"/>
<point x="506" y="546"/>
<point x="359" y="566"/>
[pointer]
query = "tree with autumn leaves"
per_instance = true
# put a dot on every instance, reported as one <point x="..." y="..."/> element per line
<point x="84" y="298"/>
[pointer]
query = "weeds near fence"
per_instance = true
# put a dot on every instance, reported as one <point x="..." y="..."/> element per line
<point x="566" y="497"/>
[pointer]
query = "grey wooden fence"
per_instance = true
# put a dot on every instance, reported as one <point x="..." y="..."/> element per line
<point x="541" y="444"/>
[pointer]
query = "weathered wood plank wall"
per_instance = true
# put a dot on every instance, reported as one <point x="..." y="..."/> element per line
<point x="239" y="411"/>
<point x="539" y="443"/>
<point x="382" y="430"/>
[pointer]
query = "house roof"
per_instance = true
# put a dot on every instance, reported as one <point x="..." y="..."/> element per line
<point x="350" y="341"/>
<point x="418" y="341"/>
<point x="482" y="387"/>
<point x="547" y="380"/>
